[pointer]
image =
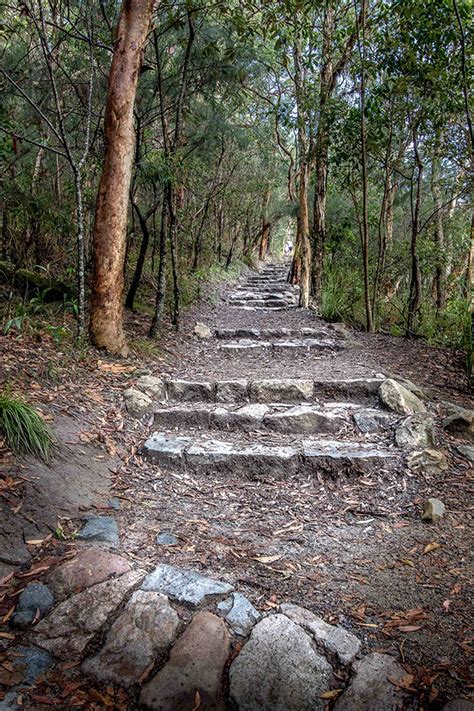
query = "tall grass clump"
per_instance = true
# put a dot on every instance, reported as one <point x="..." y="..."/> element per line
<point x="24" y="430"/>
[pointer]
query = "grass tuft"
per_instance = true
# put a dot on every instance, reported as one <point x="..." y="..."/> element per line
<point x="24" y="430"/>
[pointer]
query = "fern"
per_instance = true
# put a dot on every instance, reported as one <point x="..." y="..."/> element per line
<point x="24" y="430"/>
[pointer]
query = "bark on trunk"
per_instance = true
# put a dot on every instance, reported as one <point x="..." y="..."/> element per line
<point x="415" y="278"/>
<point x="265" y="238"/>
<point x="440" y="267"/>
<point x="106" y="321"/>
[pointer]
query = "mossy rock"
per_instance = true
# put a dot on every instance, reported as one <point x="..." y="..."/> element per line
<point x="32" y="283"/>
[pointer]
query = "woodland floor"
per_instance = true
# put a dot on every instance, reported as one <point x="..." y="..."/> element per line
<point x="350" y="549"/>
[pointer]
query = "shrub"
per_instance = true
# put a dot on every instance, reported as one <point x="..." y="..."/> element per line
<point x="24" y="430"/>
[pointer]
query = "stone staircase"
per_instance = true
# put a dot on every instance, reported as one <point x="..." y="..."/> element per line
<point x="267" y="290"/>
<point x="272" y="427"/>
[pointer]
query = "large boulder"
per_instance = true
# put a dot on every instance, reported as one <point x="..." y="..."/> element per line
<point x="461" y="424"/>
<point x="396" y="397"/>
<point x="279" y="670"/>
<point x="428" y="461"/>
<point x="138" y="404"/>
<point x="153" y="386"/>
<point x="415" y="431"/>
<point x="192" y="677"/>
<point x="373" y="686"/>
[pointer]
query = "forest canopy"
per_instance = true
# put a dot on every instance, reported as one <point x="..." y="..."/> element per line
<point x="235" y="127"/>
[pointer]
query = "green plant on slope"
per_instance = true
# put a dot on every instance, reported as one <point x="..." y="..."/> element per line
<point x="24" y="430"/>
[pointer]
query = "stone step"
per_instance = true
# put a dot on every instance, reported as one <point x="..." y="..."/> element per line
<point x="230" y="334"/>
<point x="304" y="344"/>
<point x="246" y="306"/>
<point x="329" y="418"/>
<point x="358" y="390"/>
<point x="255" y="460"/>
<point x="262" y="296"/>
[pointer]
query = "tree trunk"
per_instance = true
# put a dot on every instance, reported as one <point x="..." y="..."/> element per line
<point x="303" y="218"/>
<point x="140" y="260"/>
<point x="439" y="281"/>
<point x="365" y="196"/>
<point x="106" y="320"/>
<point x="161" y="289"/>
<point x="415" y="277"/>
<point x="265" y="238"/>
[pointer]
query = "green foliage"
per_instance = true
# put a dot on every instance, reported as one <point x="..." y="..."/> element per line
<point x="24" y="430"/>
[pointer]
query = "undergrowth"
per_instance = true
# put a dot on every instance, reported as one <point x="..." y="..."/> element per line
<point x="24" y="430"/>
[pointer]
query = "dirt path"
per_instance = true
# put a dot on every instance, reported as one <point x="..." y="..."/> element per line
<point x="333" y="522"/>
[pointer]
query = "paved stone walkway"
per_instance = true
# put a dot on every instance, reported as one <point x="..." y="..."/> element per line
<point x="181" y="641"/>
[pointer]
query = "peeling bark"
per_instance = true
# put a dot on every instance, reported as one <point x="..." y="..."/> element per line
<point x="106" y="320"/>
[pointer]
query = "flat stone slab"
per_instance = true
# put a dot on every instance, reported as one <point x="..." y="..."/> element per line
<point x="100" y="529"/>
<point x="306" y="419"/>
<point x="161" y="446"/>
<point x="256" y="460"/>
<point x="192" y="678"/>
<point x="184" y="585"/>
<point x="72" y="624"/>
<point x="188" y="390"/>
<point x="239" y="613"/>
<point x="334" y="640"/>
<point x="278" y="669"/>
<point x="281" y="390"/>
<point x="89" y="567"/>
<point x="232" y="390"/>
<point x="369" y="421"/>
<point x="145" y="629"/>
<point x="370" y="687"/>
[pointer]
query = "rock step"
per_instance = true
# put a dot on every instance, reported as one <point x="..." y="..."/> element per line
<point x="229" y="334"/>
<point x="245" y="306"/>
<point x="261" y="295"/>
<point x="332" y="418"/>
<point x="359" y="390"/>
<point x="306" y="344"/>
<point x="256" y="460"/>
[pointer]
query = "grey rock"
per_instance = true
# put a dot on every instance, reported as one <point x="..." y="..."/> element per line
<point x="184" y="585"/>
<point x="433" y="510"/>
<point x="138" y="404"/>
<point x="415" y="431"/>
<point x="305" y="419"/>
<point x="166" y="539"/>
<point x="428" y="461"/>
<point x="32" y="662"/>
<point x="232" y="391"/>
<point x="370" y="687"/>
<point x="9" y="702"/>
<point x="145" y="629"/>
<point x="244" y="344"/>
<point x="459" y="705"/>
<point x="202" y="331"/>
<point x="467" y="451"/>
<point x="370" y="421"/>
<point x="248" y="417"/>
<point x="352" y="389"/>
<point x="101" y="529"/>
<point x="72" y="624"/>
<point x="208" y="452"/>
<point x="240" y="614"/>
<point x="190" y="391"/>
<point x="279" y="670"/>
<point x="334" y="455"/>
<point x="281" y="390"/>
<point x="194" y="415"/>
<point x="161" y="447"/>
<point x="114" y="503"/>
<point x="334" y="640"/>
<point x="461" y="424"/>
<point x="196" y="664"/>
<point x="36" y="599"/>
<point x="399" y="399"/>
<point x="153" y="386"/>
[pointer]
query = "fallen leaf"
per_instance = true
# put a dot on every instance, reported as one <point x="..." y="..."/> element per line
<point x="267" y="558"/>
<point x="197" y="701"/>
<point x="410" y="628"/>
<point x="431" y="547"/>
<point x="332" y="694"/>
